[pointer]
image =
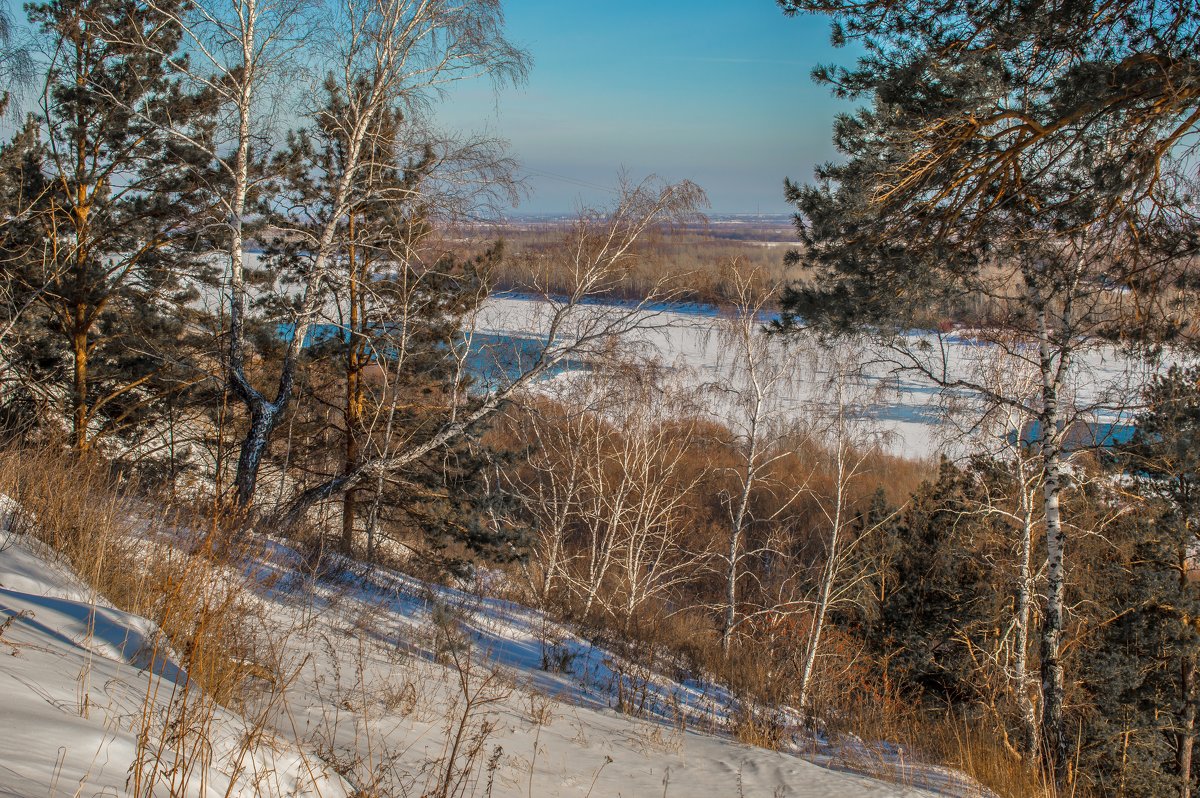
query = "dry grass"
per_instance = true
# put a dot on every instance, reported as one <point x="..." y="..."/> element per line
<point x="148" y="562"/>
<point x="187" y="572"/>
<point x="692" y="260"/>
<point x="916" y="740"/>
<point x="145" y="560"/>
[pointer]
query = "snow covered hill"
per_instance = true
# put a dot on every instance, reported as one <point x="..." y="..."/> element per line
<point x="79" y="680"/>
<point x="386" y="686"/>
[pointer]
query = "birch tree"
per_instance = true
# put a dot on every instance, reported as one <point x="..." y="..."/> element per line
<point x="551" y="484"/>
<point x="757" y="371"/>
<point x="385" y="57"/>
<point x="16" y="65"/>
<point x="849" y="436"/>
<point x="393" y="297"/>
<point x="1002" y="433"/>
<point x="643" y="493"/>
<point x="596" y="254"/>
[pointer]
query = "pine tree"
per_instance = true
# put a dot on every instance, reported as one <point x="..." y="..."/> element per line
<point x="110" y="207"/>
<point x="1015" y="165"/>
<point x="1139" y="672"/>
<point x="993" y="94"/>
<point x="393" y="351"/>
<point x="940" y="593"/>
<point x="1163" y="609"/>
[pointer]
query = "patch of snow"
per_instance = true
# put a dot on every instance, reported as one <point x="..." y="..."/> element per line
<point x="368" y="686"/>
<point x="78" y="677"/>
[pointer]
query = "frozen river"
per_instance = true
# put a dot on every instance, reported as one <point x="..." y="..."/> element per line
<point x="913" y="415"/>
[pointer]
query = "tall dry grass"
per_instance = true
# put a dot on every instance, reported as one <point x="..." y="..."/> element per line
<point x="220" y="670"/>
<point x="948" y="752"/>
<point x="178" y="567"/>
<point x="183" y="570"/>
<point x="692" y="260"/>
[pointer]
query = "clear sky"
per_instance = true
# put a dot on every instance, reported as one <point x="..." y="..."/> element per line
<point x="716" y="91"/>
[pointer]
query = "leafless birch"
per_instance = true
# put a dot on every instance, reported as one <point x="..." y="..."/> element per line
<point x="849" y="436"/>
<point x="755" y="371"/>
<point x="597" y="252"/>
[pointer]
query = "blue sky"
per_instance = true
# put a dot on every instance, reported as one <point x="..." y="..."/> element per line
<point x="716" y="91"/>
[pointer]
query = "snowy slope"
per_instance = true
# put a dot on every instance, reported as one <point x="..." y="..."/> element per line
<point x="374" y="662"/>
<point x="372" y="689"/>
<point x="76" y="678"/>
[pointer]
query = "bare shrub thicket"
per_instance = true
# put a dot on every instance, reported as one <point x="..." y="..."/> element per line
<point x="608" y="491"/>
<point x="657" y="580"/>
<point x="693" y="261"/>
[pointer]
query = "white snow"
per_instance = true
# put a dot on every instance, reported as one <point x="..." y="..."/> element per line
<point x="77" y="677"/>
<point x="913" y="414"/>
<point x="371" y="692"/>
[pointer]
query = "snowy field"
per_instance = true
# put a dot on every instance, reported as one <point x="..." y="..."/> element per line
<point x="913" y="417"/>
<point x="371" y="695"/>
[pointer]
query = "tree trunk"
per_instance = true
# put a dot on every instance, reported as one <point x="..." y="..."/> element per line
<point x="1052" y="627"/>
<point x="1186" y="736"/>
<point x="354" y="397"/>
<point x="1029" y="730"/>
<point x="1054" y="738"/>
<point x="254" y="446"/>
<point x="818" y="625"/>
<point x="735" y="542"/>
<point x="1187" y="725"/>
<point x="731" y="579"/>
<point x="749" y="476"/>
<point x="827" y="579"/>
<point x="348" y="502"/>
<point x="79" y="347"/>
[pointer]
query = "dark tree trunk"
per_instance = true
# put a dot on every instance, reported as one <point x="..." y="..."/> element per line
<point x="254" y="447"/>
<point x="1187" y="725"/>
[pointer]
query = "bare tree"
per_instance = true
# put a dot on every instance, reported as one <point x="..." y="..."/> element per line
<point x="1004" y="432"/>
<point x="756" y="370"/>
<point x="551" y="484"/>
<point x="16" y="65"/>
<point x="609" y="486"/>
<point x="644" y="510"/>
<point x="597" y="253"/>
<point x="849" y="436"/>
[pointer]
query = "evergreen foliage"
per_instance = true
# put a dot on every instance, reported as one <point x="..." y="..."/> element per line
<point x="393" y="344"/>
<point x="941" y="599"/>
<point x="1142" y="680"/>
<point x="1134" y="671"/>
<point x="104" y="211"/>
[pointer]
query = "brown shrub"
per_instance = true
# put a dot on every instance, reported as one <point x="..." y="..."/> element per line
<point x="180" y="569"/>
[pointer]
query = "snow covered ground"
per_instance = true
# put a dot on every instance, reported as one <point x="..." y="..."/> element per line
<point x="370" y="690"/>
<point x="916" y="418"/>
<point x="78" y="677"/>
